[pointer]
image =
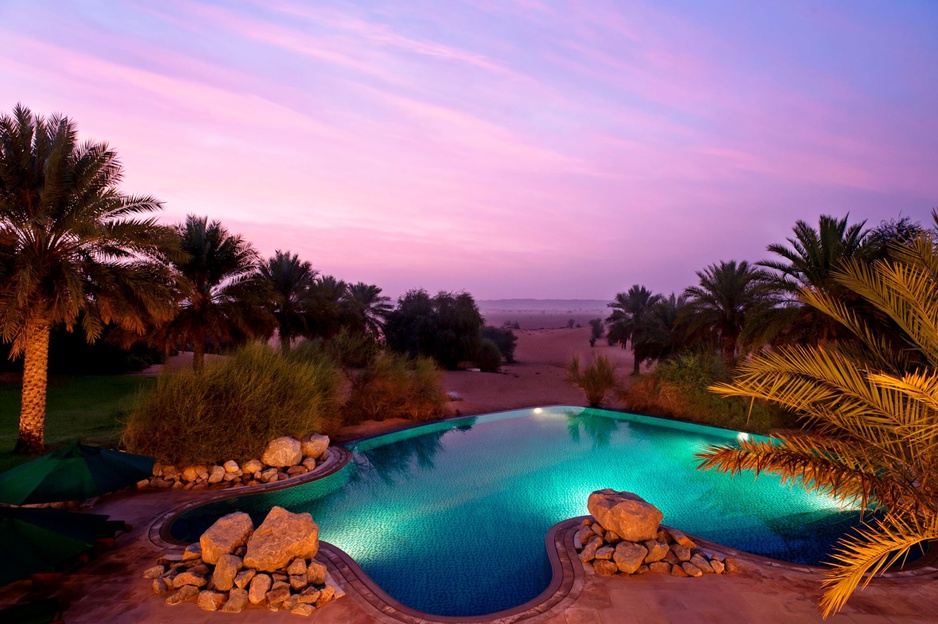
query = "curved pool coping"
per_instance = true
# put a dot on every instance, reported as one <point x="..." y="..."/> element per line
<point x="568" y="574"/>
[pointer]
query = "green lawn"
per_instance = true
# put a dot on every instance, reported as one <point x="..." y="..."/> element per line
<point x="87" y="408"/>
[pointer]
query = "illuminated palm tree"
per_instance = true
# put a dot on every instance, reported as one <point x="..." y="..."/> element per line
<point x="73" y="248"/>
<point x="292" y="284"/>
<point x="630" y="320"/>
<point x="728" y="294"/>
<point x="224" y="299"/>
<point x="871" y="407"/>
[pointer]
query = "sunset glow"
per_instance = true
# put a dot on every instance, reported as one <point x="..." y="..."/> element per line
<point x="511" y="149"/>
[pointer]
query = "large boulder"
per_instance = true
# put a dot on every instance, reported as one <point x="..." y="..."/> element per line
<point x="282" y="537"/>
<point x="283" y="452"/>
<point x="315" y="445"/>
<point x="629" y="516"/>
<point x="223" y="537"/>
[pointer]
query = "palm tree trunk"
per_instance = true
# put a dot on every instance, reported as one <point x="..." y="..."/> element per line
<point x="636" y="364"/>
<point x="35" y="378"/>
<point x="729" y="351"/>
<point x="284" y="344"/>
<point x="198" y="352"/>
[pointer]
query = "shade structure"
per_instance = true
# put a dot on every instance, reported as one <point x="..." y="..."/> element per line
<point x="73" y="473"/>
<point x="43" y="540"/>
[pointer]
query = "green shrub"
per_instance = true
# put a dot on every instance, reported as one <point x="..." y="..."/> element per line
<point x="678" y="389"/>
<point x="233" y="408"/>
<point x="346" y="349"/>
<point x="489" y="357"/>
<point x="392" y="386"/>
<point x="504" y="339"/>
<point x="596" y="380"/>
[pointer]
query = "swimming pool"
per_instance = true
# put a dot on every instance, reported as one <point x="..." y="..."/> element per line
<point x="450" y="518"/>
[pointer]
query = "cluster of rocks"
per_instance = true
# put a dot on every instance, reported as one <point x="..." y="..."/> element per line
<point x="283" y="458"/>
<point x="625" y="536"/>
<point x="234" y="566"/>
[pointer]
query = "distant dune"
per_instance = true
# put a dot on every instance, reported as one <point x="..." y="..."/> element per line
<point x="542" y="313"/>
<point x="537" y="305"/>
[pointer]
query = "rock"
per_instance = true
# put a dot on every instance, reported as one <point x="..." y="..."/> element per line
<point x="315" y="573"/>
<point x="303" y="609"/>
<point x="691" y="570"/>
<point x="171" y="558"/>
<point x="589" y="551"/>
<point x="656" y="550"/>
<point x="223" y="537"/>
<point x="625" y="514"/>
<point x="298" y="566"/>
<point x="290" y="602"/>
<point x="309" y="595"/>
<point x="280" y="538"/>
<point x="671" y="558"/>
<point x="663" y="536"/>
<point x="309" y="463"/>
<point x="184" y="594"/>
<point x="237" y="601"/>
<point x="629" y="556"/>
<point x="604" y="552"/>
<point x="211" y="600"/>
<point x="283" y="452"/>
<point x="278" y="593"/>
<point x="280" y="577"/>
<point x="191" y="473"/>
<point x="251" y="466"/>
<point x="604" y="567"/>
<point x="314" y="446"/>
<point x="660" y="567"/>
<point x="677" y="570"/>
<point x="216" y="475"/>
<point x="717" y="566"/>
<point x="327" y="594"/>
<point x="681" y="552"/>
<point x="680" y="538"/>
<point x="260" y="585"/>
<point x="154" y="572"/>
<point x="702" y="563"/>
<point x="225" y="571"/>
<point x="611" y="537"/>
<point x="298" y="581"/>
<point x="731" y="566"/>
<point x="192" y="551"/>
<point x="642" y="569"/>
<point x="583" y="536"/>
<point x="198" y="567"/>
<point x="160" y="586"/>
<point x="160" y="483"/>
<point x="241" y="550"/>
<point x="189" y="578"/>
<point x="230" y="476"/>
<point x="268" y="475"/>
<point x="143" y="484"/>
<point x="244" y="577"/>
<point x="597" y="529"/>
<point x="231" y="466"/>
<point x="293" y="471"/>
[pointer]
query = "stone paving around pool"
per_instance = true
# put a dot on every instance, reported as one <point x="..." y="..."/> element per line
<point x="110" y="589"/>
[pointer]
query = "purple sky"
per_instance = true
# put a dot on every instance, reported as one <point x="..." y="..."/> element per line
<point x="512" y="149"/>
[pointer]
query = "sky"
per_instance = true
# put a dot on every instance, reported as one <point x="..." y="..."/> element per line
<point x="508" y="148"/>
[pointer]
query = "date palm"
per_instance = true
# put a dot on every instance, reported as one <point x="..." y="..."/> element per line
<point x="224" y="299"/>
<point x="630" y="320"/>
<point x="75" y="250"/>
<point x="366" y="308"/>
<point x="871" y="409"/>
<point x="292" y="285"/>
<point x="727" y="296"/>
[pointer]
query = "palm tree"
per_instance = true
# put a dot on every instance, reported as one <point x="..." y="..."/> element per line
<point x="292" y="284"/>
<point x="630" y="319"/>
<point x="366" y="308"/>
<point x="224" y="299"/>
<point x="667" y="330"/>
<point x="809" y="262"/>
<point x="722" y="303"/>
<point x="871" y="409"/>
<point x="74" y="248"/>
<point x="327" y="314"/>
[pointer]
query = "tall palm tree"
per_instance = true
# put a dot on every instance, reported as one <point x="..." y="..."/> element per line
<point x="667" y="330"/>
<point x="224" y="299"/>
<point x="809" y="261"/>
<point x="366" y="308"/>
<point x="328" y="314"/>
<point x="630" y="320"/>
<point x="871" y="410"/>
<point x="73" y="247"/>
<point x="722" y="303"/>
<point x="292" y="284"/>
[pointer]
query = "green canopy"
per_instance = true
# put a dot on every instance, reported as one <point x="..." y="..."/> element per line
<point x="73" y="473"/>
<point x="41" y="540"/>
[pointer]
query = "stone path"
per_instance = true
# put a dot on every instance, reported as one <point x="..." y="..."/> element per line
<point x="110" y="590"/>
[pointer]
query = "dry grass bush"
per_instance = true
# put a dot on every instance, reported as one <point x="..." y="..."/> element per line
<point x="233" y="408"/>
<point x="597" y="379"/>
<point x="392" y="386"/>
<point x="678" y="389"/>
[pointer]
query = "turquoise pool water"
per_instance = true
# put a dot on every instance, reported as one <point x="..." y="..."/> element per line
<point x="450" y="518"/>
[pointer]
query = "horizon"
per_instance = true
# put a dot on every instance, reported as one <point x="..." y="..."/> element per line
<point x="530" y="149"/>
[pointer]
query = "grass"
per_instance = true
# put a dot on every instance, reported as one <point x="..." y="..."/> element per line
<point x="90" y="408"/>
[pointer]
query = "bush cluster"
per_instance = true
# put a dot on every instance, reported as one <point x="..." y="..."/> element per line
<point x="677" y="388"/>
<point x="597" y="379"/>
<point x="392" y="386"/>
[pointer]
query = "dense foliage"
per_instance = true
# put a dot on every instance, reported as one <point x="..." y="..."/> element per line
<point x="597" y="379"/>
<point x="447" y="327"/>
<point x="504" y="339"/>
